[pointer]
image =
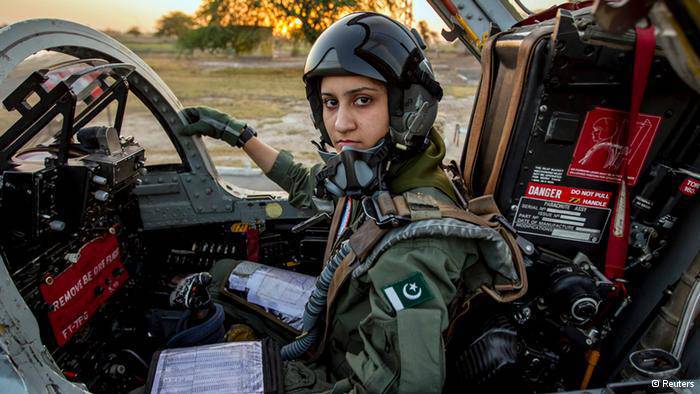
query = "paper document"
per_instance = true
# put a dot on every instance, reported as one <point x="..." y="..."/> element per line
<point x="284" y="291"/>
<point x="239" y="277"/>
<point x="246" y="268"/>
<point x="231" y="368"/>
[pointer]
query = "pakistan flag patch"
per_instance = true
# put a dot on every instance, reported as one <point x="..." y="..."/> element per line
<point x="408" y="293"/>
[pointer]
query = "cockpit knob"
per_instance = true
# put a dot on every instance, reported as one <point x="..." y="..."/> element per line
<point x="101" y="195"/>
<point x="57" y="225"/>
<point x="100" y="180"/>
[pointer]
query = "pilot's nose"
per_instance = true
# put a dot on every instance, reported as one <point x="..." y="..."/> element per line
<point x="344" y="121"/>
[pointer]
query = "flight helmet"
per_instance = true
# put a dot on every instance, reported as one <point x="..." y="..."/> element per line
<point x="376" y="46"/>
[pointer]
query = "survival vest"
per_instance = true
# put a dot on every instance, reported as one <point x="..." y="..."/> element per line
<point x="393" y="218"/>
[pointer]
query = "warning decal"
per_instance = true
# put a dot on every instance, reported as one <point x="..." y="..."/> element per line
<point x="572" y="195"/>
<point x="690" y="187"/>
<point x="560" y="220"/>
<point x="549" y="175"/>
<point x="78" y="292"/>
<point x="600" y="150"/>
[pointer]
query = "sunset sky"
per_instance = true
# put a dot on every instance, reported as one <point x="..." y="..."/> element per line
<point x="123" y="14"/>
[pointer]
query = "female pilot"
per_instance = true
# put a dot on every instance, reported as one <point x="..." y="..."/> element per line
<point x="374" y="99"/>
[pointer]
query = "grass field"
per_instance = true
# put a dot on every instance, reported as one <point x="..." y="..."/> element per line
<point x="248" y="92"/>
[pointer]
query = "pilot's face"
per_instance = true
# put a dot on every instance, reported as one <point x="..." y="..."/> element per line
<point x="355" y="111"/>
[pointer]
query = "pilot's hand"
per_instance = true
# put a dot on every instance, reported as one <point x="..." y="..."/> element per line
<point x="215" y="124"/>
<point x="192" y="293"/>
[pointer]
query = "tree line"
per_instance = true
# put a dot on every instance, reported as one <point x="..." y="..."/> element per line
<point x="241" y="25"/>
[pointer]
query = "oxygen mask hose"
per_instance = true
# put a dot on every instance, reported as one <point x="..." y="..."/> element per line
<point x="315" y="307"/>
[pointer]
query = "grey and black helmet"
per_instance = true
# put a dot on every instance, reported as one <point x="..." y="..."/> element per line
<point x="378" y="47"/>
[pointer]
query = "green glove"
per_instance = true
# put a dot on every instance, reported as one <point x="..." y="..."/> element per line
<point x="216" y="124"/>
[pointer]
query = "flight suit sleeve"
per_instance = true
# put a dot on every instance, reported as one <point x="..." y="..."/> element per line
<point x="296" y="179"/>
<point x="403" y="351"/>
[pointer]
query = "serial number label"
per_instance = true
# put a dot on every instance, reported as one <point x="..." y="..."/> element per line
<point x="559" y="220"/>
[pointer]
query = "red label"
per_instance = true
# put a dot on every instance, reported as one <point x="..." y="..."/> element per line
<point x="570" y="195"/>
<point x="599" y="151"/>
<point x="690" y="186"/>
<point x="252" y="239"/>
<point x="56" y="76"/>
<point x="76" y="293"/>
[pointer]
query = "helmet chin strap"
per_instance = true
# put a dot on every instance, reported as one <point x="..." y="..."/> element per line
<point x="353" y="172"/>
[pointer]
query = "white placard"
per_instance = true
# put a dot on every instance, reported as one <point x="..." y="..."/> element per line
<point x="222" y="368"/>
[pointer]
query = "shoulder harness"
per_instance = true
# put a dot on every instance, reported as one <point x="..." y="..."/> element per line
<point x="391" y="219"/>
<point x="411" y="215"/>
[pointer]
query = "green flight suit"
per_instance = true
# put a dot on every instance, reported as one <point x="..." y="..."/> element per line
<point x="371" y="347"/>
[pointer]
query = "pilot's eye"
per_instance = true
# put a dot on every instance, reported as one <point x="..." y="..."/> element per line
<point x="330" y="103"/>
<point x="363" y="100"/>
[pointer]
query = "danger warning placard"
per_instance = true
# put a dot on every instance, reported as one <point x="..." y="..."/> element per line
<point x="552" y="219"/>
<point x="78" y="292"/>
<point x="600" y="149"/>
<point x="571" y="195"/>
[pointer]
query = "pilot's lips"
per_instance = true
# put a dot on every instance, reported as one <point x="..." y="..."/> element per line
<point x="342" y="143"/>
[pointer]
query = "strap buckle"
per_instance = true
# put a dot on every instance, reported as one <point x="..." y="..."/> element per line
<point x="526" y="246"/>
<point x="383" y="220"/>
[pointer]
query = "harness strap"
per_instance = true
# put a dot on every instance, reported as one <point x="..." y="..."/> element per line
<point x="483" y="211"/>
<point x="342" y="273"/>
<point x="332" y="236"/>
<point x="339" y="278"/>
<point x="401" y="206"/>
<point x="361" y="243"/>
